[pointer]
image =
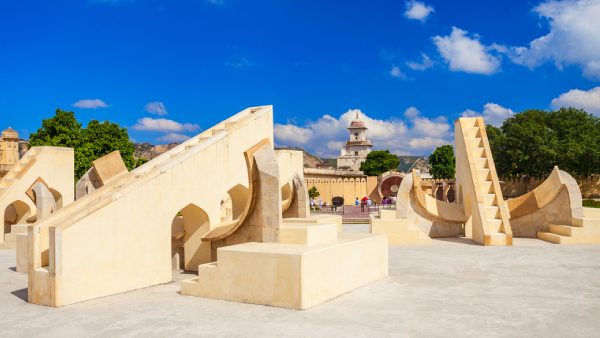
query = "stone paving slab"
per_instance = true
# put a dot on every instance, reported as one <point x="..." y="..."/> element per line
<point x="452" y="288"/>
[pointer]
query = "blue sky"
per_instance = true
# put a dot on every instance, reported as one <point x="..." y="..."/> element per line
<point x="169" y="69"/>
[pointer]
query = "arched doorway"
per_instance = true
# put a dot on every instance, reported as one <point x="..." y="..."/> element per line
<point x="15" y="213"/>
<point x="187" y="248"/>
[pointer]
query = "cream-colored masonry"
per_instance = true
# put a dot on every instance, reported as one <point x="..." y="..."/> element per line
<point x="55" y="166"/>
<point x="348" y="188"/>
<point x="478" y="185"/>
<point x="118" y="238"/>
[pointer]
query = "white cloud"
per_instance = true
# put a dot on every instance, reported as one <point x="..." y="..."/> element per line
<point x="93" y="104"/>
<point x="411" y="112"/>
<point x="574" y="37"/>
<point x="427" y="142"/>
<point x="156" y="108"/>
<point x="164" y="125"/>
<point x="325" y="136"/>
<point x="424" y="64"/>
<point x="238" y="62"/>
<point x="397" y="73"/>
<point x="466" y="54"/>
<point x="580" y="99"/>
<point x="428" y="127"/>
<point x="335" y="146"/>
<point x="173" y="137"/>
<point x="493" y="114"/>
<point x="290" y="134"/>
<point x="418" y="10"/>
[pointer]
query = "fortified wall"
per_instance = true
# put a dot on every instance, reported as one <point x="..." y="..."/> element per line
<point x="348" y="188"/>
<point x="515" y="187"/>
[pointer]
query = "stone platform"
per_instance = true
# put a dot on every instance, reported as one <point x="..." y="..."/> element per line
<point x="292" y="275"/>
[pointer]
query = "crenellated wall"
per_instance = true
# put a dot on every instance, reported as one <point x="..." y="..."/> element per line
<point x="348" y="188"/>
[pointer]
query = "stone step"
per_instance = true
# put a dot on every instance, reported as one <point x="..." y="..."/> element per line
<point x="478" y="152"/>
<point x="487" y="187"/>
<point x="591" y="212"/>
<point x="492" y="212"/>
<point x="307" y="234"/>
<point x="554" y="238"/>
<point x="566" y="230"/>
<point x="484" y="175"/>
<point x="585" y="222"/>
<point x="481" y="162"/>
<point x="494" y="225"/>
<point x="476" y="142"/>
<point x="489" y="200"/>
<point x="216" y="131"/>
<point x="472" y="132"/>
<point x="321" y="219"/>
<point x="497" y="239"/>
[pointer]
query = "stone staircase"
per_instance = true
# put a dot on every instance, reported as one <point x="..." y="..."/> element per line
<point x="399" y="231"/>
<point x="487" y="181"/>
<point x="24" y="163"/>
<point x="583" y="230"/>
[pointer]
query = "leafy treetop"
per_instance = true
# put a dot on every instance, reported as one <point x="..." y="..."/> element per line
<point x="532" y="142"/>
<point x="313" y="193"/>
<point x="89" y="144"/>
<point x="443" y="165"/>
<point x="379" y="162"/>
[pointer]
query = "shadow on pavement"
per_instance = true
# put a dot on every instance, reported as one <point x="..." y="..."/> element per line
<point x="21" y="294"/>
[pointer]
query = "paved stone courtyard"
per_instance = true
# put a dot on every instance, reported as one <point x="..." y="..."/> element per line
<point x="451" y="288"/>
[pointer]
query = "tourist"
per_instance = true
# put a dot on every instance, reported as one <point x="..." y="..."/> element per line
<point x="363" y="203"/>
<point x="369" y="201"/>
<point x="393" y="201"/>
<point x="356" y="203"/>
<point x="320" y="204"/>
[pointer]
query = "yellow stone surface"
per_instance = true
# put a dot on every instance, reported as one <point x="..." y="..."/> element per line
<point x="398" y="231"/>
<point x="306" y="233"/>
<point x="318" y="219"/>
<point x="54" y="166"/>
<point x="478" y="187"/>
<point x="292" y="276"/>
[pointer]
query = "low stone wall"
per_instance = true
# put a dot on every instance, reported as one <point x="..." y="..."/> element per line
<point x="348" y="188"/>
<point x="556" y="212"/>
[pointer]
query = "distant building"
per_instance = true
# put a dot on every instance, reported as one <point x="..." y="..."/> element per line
<point x="9" y="150"/>
<point x="357" y="147"/>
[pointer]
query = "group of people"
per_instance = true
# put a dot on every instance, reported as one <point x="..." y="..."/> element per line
<point x="390" y="200"/>
<point x="367" y="201"/>
<point x="316" y="204"/>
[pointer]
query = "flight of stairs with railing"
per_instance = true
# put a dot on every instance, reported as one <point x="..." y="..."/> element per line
<point x="495" y="216"/>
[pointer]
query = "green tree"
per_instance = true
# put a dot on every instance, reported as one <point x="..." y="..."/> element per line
<point x="378" y="162"/>
<point x="443" y="165"/>
<point x="89" y="144"/>
<point x="312" y="192"/>
<point x="532" y="142"/>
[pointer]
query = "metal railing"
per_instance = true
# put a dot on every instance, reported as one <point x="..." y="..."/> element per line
<point x="375" y="207"/>
<point x="327" y="209"/>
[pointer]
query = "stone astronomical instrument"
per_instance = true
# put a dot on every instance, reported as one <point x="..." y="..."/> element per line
<point x="389" y="185"/>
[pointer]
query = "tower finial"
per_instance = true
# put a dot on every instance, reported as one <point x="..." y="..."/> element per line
<point x="357" y="114"/>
